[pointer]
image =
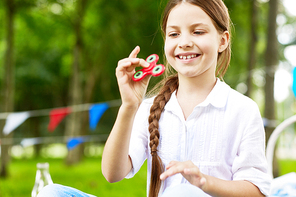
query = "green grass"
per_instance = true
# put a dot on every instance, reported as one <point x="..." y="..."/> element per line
<point x="85" y="176"/>
<point x="287" y="166"/>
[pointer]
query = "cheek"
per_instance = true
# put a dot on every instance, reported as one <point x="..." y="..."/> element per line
<point x="168" y="49"/>
<point x="208" y="44"/>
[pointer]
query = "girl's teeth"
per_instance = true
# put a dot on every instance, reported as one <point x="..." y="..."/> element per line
<point x="187" y="57"/>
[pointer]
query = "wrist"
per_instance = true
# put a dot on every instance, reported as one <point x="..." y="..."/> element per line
<point x="129" y="107"/>
<point x="208" y="184"/>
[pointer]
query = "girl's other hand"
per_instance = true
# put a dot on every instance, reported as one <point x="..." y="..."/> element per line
<point x="132" y="93"/>
<point x="188" y="170"/>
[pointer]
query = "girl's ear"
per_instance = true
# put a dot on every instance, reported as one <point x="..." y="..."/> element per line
<point x="224" y="41"/>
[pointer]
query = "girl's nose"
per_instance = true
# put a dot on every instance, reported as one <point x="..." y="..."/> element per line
<point x="185" y="42"/>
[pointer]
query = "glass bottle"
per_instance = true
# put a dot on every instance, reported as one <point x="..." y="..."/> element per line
<point x="42" y="178"/>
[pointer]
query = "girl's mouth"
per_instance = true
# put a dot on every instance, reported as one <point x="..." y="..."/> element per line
<point x="186" y="57"/>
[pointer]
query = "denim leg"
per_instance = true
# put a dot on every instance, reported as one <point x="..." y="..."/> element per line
<point x="56" y="190"/>
<point x="184" y="190"/>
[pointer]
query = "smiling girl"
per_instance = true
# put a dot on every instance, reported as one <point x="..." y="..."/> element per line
<point x="199" y="136"/>
<point x="196" y="131"/>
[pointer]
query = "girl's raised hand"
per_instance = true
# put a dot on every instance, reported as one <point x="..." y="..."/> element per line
<point x="132" y="93"/>
<point x="188" y="170"/>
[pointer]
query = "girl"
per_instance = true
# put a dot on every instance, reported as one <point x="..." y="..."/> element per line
<point x="197" y="130"/>
<point x="200" y="137"/>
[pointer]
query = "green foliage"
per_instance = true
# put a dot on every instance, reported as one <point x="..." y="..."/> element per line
<point x="240" y="13"/>
<point x="44" y="41"/>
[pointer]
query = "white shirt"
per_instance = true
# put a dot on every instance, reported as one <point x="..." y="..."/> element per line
<point x="223" y="136"/>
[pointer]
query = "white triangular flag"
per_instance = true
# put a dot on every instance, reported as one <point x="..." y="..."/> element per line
<point x="14" y="120"/>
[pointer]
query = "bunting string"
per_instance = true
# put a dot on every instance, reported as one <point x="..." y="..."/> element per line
<point x="56" y="115"/>
<point x="50" y="140"/>
<point x="74" y="108"/>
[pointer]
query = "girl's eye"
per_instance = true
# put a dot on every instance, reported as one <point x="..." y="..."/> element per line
<point x="173" y="34"/>
<point x="198" y="32"/>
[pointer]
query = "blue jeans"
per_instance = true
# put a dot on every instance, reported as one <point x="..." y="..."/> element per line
<point x="182" y="190"/>
<point x="56" y="190"/>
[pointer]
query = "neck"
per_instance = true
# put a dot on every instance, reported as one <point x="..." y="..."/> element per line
<point x="196" y="87"/>
<point x="192" y="92"/>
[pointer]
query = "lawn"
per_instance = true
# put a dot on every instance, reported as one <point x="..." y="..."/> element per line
<point x="85" y="176"/>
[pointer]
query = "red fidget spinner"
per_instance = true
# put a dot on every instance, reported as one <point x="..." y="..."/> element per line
<point x="153" y="69"/>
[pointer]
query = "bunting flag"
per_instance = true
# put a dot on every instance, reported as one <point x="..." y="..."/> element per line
<point x="96" y="110"/>
<point x="294" y="81"/>
<point x="56" y="116"/>
<point x="73" y="142"/>
<point x="95" y="113"/>
<point x="14" y="120"/>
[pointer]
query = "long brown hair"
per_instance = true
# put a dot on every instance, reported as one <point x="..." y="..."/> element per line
<point x="218" y="12"/>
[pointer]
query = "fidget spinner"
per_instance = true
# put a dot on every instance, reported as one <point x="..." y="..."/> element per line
<point x="152" y="69"/>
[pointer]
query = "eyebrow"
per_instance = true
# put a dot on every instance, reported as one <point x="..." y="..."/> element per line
<point x="193" y="25"/>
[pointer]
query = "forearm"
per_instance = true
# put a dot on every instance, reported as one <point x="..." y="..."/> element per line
<point x="115" y="160"/>
<point x="220" y="188"/>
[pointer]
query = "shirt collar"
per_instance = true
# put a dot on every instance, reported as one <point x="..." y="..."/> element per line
<point x="217" y="98"/>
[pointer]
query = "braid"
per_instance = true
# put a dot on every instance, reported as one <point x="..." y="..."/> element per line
<point x="156" y="109"/>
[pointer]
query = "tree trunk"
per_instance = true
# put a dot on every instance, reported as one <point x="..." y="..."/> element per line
<point x="271" y="63"/>
<point x="35" y="127"/>
<point x="73" y="125"/>
<point x="252" y="49"/>
<point x="8" y="89"/>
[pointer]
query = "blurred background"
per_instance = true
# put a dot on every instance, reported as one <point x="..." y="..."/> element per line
<point x="59" y="95"/>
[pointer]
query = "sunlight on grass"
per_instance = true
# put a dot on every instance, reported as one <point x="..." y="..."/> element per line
<point x="287" y="166"/>
<point x="85" y="176"/>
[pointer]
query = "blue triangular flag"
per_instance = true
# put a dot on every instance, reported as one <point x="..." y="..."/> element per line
<point x="73" y="142"/>
<point x="95" y="113"/>
<point x="294" y="82"/>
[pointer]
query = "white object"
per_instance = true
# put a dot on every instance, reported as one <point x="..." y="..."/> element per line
<point x="284" y="185"/>
<point x="14" y="120"/>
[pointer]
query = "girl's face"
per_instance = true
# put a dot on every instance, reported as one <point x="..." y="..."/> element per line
<point x="192" y="42"/>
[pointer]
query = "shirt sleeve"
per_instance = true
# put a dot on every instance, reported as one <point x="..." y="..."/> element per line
<point x="139" y="138"/>
<point x="250" y="162"/>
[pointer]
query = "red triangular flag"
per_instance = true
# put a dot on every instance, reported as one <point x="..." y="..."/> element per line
<point x="56" y="116"/>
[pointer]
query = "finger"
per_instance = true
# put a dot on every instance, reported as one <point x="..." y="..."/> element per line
<point x="144" y="64"/>
<point x="131" y="60"/>
<point x="195" y="172"/>
<point x="175" y="169"/>
<point x="135" y="52"/>
<point x="128" y="64"/>
<point x="137" y="62"/>
<point x="124" y="64"/>
<point x="192" y="171"/>
<point x="172" y="163"/>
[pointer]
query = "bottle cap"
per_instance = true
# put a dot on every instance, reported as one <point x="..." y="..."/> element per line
<point x="42" y="165"/>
